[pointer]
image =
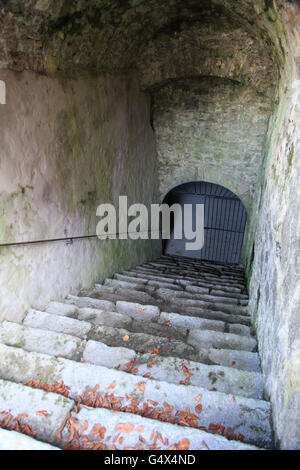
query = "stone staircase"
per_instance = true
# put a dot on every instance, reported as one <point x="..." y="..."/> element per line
<point x="160" y="357"/>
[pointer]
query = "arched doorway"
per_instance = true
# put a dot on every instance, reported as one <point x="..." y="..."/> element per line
<point x="225" y="220"/>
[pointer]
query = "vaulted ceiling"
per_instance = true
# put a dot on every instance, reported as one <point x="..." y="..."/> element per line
<point x="161" y="40"/>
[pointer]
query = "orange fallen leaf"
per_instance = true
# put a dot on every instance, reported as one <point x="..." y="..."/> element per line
<point x="110" y="387"/>
<point x="141" y="387"/>
<point x="140" y="309"/>
<point x="198" y="408"/>
<point x="184" y="382"/>
<point x="154" y="403"/>
<point x="183" y="444"/>
<point x="125" y="338"/>
<point x="85" y="426"/>
<point x="205" y="445"/>
<point x="233" y="399"/>
<point x="96" y="429"/>
<point x="42" y="413"/>
<point x="77" y="407"/>
<point x="139" y="429"/>
<point x="198" y="398"/>
<point x="125" y="427"/>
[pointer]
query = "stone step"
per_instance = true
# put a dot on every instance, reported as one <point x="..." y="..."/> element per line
<point x="186" y="307"/>
<point x="128" y="431"/>
<point x="208" y="314"/>
<point x="126" y="392"/>
<point x="142" y="342"/>
<point x="190" y="292"/>
<point x="96" y="352"/>
<point x="201" y="269"/>
<point x="87" y="302"/>
<point x="110" y="336"/>
<point x="184" y="274"/>
<point x="217" y="340"/>
<point x="194" y="280"/>
<point x="191" y="323"/>
<point x="178" y="306"/>
<point x="21" y="406"/>
<point x="52" y="418"/>
<point x="12" y="440"/>
<point x="58" y="323"/>
<point x="173" y="279"/>
<point x="202" y="300"/>
<point x="169" y="297"/>
<point x="135" y="322"/>
<point x="175" y="370"/>
<point x="35" y="339"/>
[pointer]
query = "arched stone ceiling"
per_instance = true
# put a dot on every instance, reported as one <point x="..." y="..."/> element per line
<point x="109" y="36"/>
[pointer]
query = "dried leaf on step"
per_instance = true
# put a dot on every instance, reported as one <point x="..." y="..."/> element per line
<point x="125" y="427"/>
<point x="42" y="413"/>
<point x="183" y="444"/>
<point x="141" y="387"/>
<point x="198" y="398"/>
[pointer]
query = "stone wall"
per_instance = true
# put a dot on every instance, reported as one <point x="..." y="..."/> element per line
<point x="213" y="130"/>
<point x="273" y="259"/>
<point x="68" y="145"/>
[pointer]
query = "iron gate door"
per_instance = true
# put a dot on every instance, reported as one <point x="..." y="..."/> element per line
<point x="225" y="220"/>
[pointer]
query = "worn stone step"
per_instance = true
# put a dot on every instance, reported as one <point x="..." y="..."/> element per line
<point x="190" y="323"/>
<point x="20" y="405"/>
<point x="245" y="416"/>
<point x="179" y="305"/>
<point x="218" y="340"/>
<point x="113" y="336"/>
<point x="185" y="280"/>
<point x="96" y="352"/>
<point x="146" y="283"/>
<point x="60" y="324"/>
<point x="128" y="431"/>
<point x="134" y="318"/>
<point x="244" y="360"/>
<point x="142" y="342"/>
<point x="87" y="302"/>
<point x="170" y="369"/>
<point x="173" y="279"/>
<point x="184" y="274"/>
<point x="208" y="314"/>
<point x="209" y="305"/>
<point x="179" y="308"/>
<point x="121" y="293"/>
<point x="99" y="353"/>
<point x="35" y="339"/>
<point x="225" y="298"/>
<point x="176" y="370"/>
<point x="12" y="440"/>
<point x="220" y="302"/>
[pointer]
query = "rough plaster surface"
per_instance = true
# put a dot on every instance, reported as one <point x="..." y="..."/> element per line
<point x="66" y="147"/>
<point x="274" y="261"/>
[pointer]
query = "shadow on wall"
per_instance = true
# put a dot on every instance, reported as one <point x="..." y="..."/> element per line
<point x="225" y="219"/>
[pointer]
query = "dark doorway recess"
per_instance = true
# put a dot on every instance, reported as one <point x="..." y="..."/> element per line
<point x="225" y="220"/>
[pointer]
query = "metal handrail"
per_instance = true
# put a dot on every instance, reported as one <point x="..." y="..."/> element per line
<point x="68" y="239"/>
